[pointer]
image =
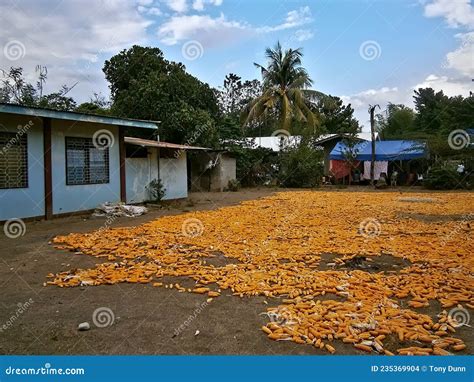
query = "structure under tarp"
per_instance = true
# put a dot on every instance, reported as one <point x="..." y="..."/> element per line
<point x="384" y="151"/>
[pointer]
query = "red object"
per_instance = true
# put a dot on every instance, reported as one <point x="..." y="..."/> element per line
<point x="340" y="168"/>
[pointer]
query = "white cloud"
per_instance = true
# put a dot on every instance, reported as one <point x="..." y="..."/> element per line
<point x="70" y="38"/>
<point x="293" y="19"/>
<point x="462" y="59"/>
<point x="198" y="5"/>
<point x="213" y="31"/>
<point x="382" y="96"/>
<point x="207" y="30"/>
<point x="449" y="86"/>
<point x="303" y="34"/>
<point x="456" y="12"/>
<point x="179" y="6"/>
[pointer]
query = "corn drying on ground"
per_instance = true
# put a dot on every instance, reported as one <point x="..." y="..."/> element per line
<point x="316" y="255"/>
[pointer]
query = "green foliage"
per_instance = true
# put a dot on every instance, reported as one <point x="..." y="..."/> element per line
<point x="396" y="123"/>
<point x="15" y="89"/>
<point x="285" y="91"/>
<point x="96" y="105"/>
<point x="443" y="177"/>
<point x="336" y="118"/>
<point x="233" y="185"/>
<point x="255" y="166"/>
<point x="156" y="190"/>
<point x="301" y="166"/>
<point x="145" y="85"/>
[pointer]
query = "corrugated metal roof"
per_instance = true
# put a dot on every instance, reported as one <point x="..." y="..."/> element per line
<point x="75" y="116"/>
<point x="167" y="145"/>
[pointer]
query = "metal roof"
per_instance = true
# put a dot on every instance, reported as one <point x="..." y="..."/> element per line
<point x="75" y="116"/>
<point x="167" y="145"/>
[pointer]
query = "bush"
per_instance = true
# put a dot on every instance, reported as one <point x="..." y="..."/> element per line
<point x="442" y="177"/>
<point x="233" y="185"/>
<point x="156" y="190"/>
<point x="301" y="166"/>
<point x="255" y="166"/>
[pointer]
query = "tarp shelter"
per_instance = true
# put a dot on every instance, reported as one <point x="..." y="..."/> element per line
<point x="384" y="151"/>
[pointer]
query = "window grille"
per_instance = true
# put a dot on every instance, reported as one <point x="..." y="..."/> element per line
<point x="85" y="163"/>
<point x="13" y="160"/>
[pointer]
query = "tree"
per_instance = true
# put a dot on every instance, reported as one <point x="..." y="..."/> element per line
<point x="397" y="122"/>
<point x="285" y="91"/>
<point x="15" y="89"/>
<point x="231" y="98"/>
<point x="431" y="109"/>
<point x="96" y="105"/>
<point x="145" y="85"/>
<point x="336" y="118"/>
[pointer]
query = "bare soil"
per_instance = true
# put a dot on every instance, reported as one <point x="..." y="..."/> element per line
<point x="147" y="320"/>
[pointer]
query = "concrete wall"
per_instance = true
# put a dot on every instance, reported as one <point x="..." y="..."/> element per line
<point x="214" y="179"/>
<point x="25" y="202"/>
<point x="81" y="197"/>
<point x="174" y="175"/>
<point x="228" y="170"/>
<point x="139" y="172"/>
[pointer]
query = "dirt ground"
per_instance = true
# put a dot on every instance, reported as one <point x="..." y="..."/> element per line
<point x="35" y="319"/>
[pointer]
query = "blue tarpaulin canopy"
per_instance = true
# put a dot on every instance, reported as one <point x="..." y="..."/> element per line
<point x="384" y="150"/>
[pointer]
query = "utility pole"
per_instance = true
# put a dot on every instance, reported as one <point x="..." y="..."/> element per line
<point x="372" y="136"/>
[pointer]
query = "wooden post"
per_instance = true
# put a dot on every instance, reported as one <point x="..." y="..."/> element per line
<point x="372" y="136"/>
<point x="123" y="192"/>
<point x="48" y="172"/>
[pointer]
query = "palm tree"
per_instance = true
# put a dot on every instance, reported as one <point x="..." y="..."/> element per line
<point x="285" y="90"/>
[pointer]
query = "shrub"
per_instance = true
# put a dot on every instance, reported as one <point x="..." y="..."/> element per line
<point x="442" y="177"/>
<point x="233" y="185"/>
<point x="301" y="166"/>
<point x="156" y="190"/>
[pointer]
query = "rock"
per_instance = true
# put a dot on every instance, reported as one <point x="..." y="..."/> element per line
<point x="83" y="326"/>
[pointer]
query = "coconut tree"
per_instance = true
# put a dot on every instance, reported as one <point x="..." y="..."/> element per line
<point x="286" y="91"/>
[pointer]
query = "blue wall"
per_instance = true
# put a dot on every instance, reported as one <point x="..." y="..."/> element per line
<point x="81" y="197"/>
<point x="25" y="202"/>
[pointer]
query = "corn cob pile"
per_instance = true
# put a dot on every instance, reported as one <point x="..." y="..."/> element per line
<point x="277" y="242"/>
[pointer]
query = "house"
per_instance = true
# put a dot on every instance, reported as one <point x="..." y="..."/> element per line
<point x="148" y="160"/>
<point x="55" y="163"/>
<point x="327" y="142"/>
<point x="390" y="156"/>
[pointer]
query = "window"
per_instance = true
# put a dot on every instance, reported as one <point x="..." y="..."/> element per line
<point x="85" y="163"/>
<point x="13" y="160"/>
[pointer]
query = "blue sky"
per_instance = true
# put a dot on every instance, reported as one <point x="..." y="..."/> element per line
<point x="363" y="51"/>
